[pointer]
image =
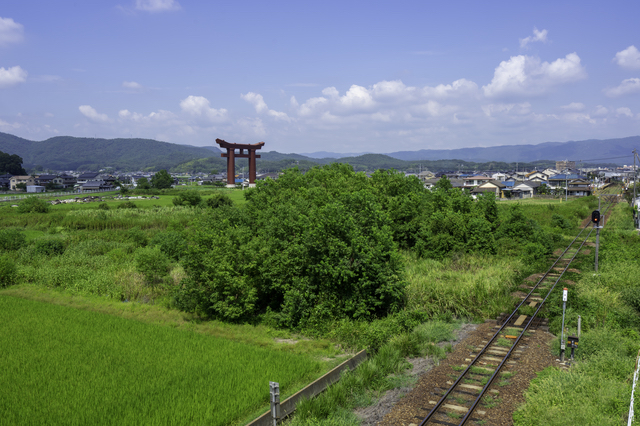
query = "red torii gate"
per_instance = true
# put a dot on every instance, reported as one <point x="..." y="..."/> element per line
<point x="231" y="156"/>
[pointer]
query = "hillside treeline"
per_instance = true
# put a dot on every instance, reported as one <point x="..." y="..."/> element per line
<point x="310" y="248"/>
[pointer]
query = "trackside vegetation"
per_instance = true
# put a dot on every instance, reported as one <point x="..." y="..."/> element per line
<point x="597" y="389"/>
<point x="374" y="262"/>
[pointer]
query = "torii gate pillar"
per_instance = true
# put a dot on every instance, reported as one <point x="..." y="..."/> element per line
<point x="231" y="156"/>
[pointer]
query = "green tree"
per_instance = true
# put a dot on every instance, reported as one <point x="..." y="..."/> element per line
<point x="162" y="180"/>
<point x="11" y="164"/>
<point x="143" y="183"/>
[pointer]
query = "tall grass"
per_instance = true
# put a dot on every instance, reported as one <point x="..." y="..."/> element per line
<point x="465" y="286"/>
<point x="67" y="366"/>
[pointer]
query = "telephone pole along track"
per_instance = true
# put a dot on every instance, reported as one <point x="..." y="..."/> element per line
<point x="458" y="405"/>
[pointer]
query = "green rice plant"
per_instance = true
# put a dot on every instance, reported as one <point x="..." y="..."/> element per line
<point x="101" y="369"/>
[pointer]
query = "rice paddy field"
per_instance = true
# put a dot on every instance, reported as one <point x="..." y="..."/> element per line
<point x="62" y="365"/>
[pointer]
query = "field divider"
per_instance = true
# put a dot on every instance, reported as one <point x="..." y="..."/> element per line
<point x="288" y="406"/>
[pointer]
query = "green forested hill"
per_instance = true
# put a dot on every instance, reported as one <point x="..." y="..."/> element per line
<point x="69" y="153"/>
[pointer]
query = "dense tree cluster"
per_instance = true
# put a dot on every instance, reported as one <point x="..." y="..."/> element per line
<point x="325" y="244"/>
<point x="11" y="164"/>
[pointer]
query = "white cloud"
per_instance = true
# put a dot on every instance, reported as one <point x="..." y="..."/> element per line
<point x="526" y="75"/>
<point x="261" y="107"/>
<point x="157" y="5"/>
<point x="92" y="114"/>
<point x="537" y="36"/>
<point x="624" y="112"/>
<point x="459" y="87"/>
<point x="132" y="85"/>
<point x="257" y="101"/>
<point x="492" y="110"/>
<point x="10" y="32"/>
<point x="199" y="106"/>
<point x="12" y="76"/>
<point x="574" y="106"/>
<point x="600" y="111"/>
<point x="628" y="58"/>
<point x="630" y="85"/>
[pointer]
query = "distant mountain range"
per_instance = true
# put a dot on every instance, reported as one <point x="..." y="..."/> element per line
<point x="71" y="153"/>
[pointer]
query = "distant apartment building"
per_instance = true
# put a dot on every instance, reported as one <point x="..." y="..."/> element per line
<point x="564" y="165"/>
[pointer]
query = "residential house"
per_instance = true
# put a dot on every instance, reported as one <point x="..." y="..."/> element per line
<point x="424" y="175"/>
<point x="526" y="189"/>
<point x="86" y="177"/>
<point x="537" y="176"/>
<point x="15" y="180"/>
<point x="67" y="180"/>
<point x="579" y="188"/>
<point x="493" y="186"/>
<point x="561" y="180"/>
<point x="477" y="180"/>
<point x="95" y="185"/>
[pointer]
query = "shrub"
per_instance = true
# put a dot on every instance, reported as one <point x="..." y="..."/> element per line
<point x="560" y="222"/>
<point x="137" y="236"/>
<point x="8" y="272"/>
<point x="171" y="243"/>
<point x="219" y="200"/>
<point x="153" y="264"/>
<point x="189" y="197"/>
<point x="103" y="206"/>
<point x="127" y="205"/>
<point x="49" y="247"/>
<point x="33" y="205"/>
<point x="11" y="239"/>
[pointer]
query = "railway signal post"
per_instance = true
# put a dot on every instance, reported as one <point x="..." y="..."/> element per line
<point x="564" y="308"/>
<point x="596" y="218"/>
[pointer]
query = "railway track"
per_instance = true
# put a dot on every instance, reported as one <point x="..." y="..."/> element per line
<point x="459" y="404"/>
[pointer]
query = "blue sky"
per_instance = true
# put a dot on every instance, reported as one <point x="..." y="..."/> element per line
<point x="374" y="76"/>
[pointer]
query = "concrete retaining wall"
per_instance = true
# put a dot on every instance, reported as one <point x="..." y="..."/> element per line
<point x="288" y="406"/>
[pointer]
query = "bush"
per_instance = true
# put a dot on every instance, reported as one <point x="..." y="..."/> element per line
<point x="103" y="206"/>
<point x="219" y="200"/>
<point x="190" y="197"/>
<point x="49" y="247"/>
<point x="11" y="239"/>
<point x="153" y="264"/>
<point x="137" y="236"/>
<point x="33" y="205"/>
<point x="171" y="243"/>
<point x="560" y="222"/>
<point x="8" y="272"/>
<point x="127" y="205"/>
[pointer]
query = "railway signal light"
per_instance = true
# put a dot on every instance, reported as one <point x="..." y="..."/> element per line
<point x="595" y="216"/>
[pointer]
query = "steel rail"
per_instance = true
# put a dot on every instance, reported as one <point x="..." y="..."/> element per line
<point x="506" y="357"/>
<point x="484" y="349"/>
<point x="504" y="325"/>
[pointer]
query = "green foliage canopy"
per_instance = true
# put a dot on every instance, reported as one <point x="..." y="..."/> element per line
<point x="162" y="180"/>
<point x="11" y="164"/>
